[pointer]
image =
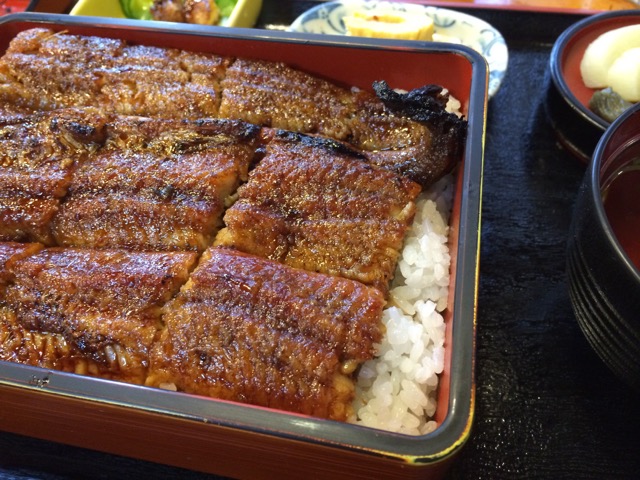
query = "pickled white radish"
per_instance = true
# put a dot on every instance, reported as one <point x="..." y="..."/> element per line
<point x="624" y="75"/>
<point x="603" y="52"/>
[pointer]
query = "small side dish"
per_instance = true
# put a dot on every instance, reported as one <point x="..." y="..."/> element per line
<point x="202" y="12"/>
<point x="227" y="13"/>
<point x="409" y="21"/>
<point x="399" y="25"/>
<point x="611" y="65"/>
<point x="13" y="6"/>
<point x="570" y="102"/>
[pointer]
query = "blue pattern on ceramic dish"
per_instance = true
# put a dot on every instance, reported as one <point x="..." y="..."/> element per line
<point x="470" y="31"/>
<point x="441" y="21"/>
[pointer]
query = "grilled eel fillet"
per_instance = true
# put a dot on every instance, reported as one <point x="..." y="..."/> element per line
<point x="409" y="133"/>
<point x="163" y="191"/>
<point x="46" y="71"/>
<point x="157" y="184"/>
<point x="251" y="330"/>
<point x="238" y="327"/>
<point x="93" y="312"/>
<point x="38" y="155"/>
<point x="77" y="177"/>
<point x="160" y="184"/>
<point x="11" y="252"/>
<point x="312" y="204"/>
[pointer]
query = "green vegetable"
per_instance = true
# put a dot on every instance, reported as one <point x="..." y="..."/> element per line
<point x="139" y="9"/>
<point x="226" y="7"/>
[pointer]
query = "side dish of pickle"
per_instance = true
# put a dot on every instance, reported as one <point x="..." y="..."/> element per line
<point x="611" y="65"/>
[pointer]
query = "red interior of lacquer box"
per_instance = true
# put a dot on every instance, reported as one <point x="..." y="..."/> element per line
<point x="400" y="65"/>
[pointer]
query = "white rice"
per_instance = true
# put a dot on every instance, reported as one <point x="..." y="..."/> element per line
<point x="396" y="391"/>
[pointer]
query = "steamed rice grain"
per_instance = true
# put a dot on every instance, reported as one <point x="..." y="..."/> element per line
<point x="396" y="391"/>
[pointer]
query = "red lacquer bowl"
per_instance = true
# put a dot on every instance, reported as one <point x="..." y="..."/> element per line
<point x="578" y="129"/>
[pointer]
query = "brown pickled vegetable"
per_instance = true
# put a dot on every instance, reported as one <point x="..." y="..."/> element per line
<point x="608" y="105"/>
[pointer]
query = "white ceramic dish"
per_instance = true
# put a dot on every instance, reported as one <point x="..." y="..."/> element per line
<point x="457" y="27"/>
<point x="244" y="14"/>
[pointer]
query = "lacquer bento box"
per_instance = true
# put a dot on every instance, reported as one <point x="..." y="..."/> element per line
<point x="242" y="440"/>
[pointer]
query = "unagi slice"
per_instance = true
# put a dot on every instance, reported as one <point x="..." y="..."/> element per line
<point x="11" y="252"/>
<point x="410" y="133"/>
<point x="39" y="349"/>
<point x="101" y="308"/>
<point x="47" y="70"/>
<point x="38" y="156"/>
<point x="275" y="95"/>
<point x="42" y="70"/>
<point x="11" y="113"/>
<point x="313" y="204"/>
<point x="255" y="331"/>
<point x="166" y="190"/>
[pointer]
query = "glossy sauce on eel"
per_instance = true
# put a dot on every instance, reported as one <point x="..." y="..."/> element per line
<point x="230" y="228"/>
<point x="411" y="133"/>
<point x="248" y="329"/>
